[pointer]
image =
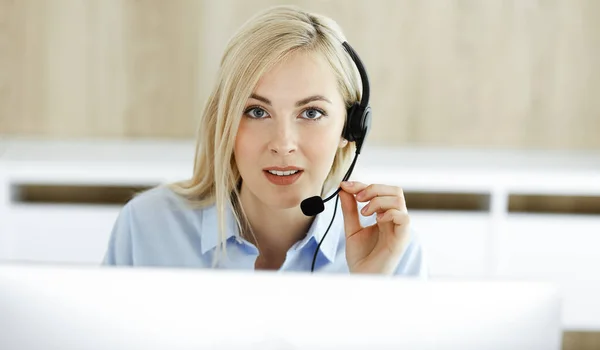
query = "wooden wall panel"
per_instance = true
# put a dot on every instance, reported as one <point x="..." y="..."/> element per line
<point x="7" y="16"/>
<point x="106" y="90"/>
<point x="163" y="60"/>
<point x="519" y="74"/>
<point x="21" y="66"/>
<point x="65" y="39"/>
<point x="99" y="68"/>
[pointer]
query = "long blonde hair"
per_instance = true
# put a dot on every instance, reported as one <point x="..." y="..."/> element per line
<point x="260" y="43"/>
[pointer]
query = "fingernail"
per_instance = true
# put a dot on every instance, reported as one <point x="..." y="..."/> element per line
<point x="364" y="209"/>
<point x="348" y="183"/>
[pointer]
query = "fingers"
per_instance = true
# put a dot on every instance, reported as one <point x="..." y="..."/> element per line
<point x="350" y="213"/>
<point x="398" y="217"/>
<point x="381" y="198"/>
<point x="353" y="187"/>
<point x="365" y="192"/>
<point x="381" y="204"/>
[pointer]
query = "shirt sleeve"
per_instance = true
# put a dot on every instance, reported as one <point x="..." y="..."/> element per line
<point x="119" y="251"/>
<point x="413" y="262"/>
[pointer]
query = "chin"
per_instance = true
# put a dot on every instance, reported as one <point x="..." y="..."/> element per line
<point x="282" y="199"/>
<point x="286" y="201"/>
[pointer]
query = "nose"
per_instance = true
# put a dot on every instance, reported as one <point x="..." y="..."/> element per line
<point x="284" y="138"/>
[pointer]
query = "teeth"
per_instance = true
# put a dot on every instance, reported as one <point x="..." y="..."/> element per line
<point x="283" y="173"/>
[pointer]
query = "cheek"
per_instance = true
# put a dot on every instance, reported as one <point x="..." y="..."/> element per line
<point x="321" y="146"/>
<point x="245" y="146"/>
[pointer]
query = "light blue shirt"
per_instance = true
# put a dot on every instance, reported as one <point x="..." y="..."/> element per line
<point x="157" y="228"/>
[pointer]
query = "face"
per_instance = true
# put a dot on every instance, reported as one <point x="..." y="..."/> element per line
<point x="290" y="132"/>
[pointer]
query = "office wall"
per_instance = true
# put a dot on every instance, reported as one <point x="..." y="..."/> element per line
<point x="523" y="74"/>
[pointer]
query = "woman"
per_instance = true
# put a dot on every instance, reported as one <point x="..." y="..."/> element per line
<point x="273" y="133"/>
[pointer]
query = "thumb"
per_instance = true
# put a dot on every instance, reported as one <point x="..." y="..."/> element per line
<point x="350" y="213"/>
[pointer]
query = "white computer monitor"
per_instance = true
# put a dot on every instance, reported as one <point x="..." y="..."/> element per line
<point x="76" y="307"/>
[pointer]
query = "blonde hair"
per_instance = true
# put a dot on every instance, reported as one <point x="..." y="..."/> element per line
<point x="260" y="43"/>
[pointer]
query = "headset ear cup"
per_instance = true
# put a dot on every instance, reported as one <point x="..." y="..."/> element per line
<point x="365" y="126"/>
<point x="361" y="127"/>
<point x="350" y="127"/>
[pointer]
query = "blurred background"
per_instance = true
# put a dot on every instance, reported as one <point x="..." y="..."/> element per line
<point x="502" y="73"/>
<point x="485" y="111"/>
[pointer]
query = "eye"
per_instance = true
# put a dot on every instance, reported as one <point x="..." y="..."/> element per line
<point x="256" y="113"/>
<point x="313" y="113"/>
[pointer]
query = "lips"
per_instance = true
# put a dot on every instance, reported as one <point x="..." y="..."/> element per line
<point x="283" y="171"/>
<point x="283" y="175"/>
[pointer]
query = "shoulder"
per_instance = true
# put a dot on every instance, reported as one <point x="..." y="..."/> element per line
<point x="159" y="205"/>
<point x="150" y="219"/>
<point x="160" y="198"/>
<point x="153" y="208"/>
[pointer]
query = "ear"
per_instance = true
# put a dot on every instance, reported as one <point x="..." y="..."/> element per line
<point x="343" y="142"/>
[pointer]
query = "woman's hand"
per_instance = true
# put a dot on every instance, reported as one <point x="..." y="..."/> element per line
<point x="377" y="248"/>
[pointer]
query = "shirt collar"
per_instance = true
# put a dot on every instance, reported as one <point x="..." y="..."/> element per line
<point x="210" y="236"/>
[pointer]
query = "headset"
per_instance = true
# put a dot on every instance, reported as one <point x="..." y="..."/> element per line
<point x="358" y="124"/>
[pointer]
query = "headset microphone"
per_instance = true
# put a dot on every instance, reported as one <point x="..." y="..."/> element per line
<point x="358" y="123"/>
<point x="315" y="205"/>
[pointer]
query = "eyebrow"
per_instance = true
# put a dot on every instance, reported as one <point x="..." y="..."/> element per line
<point x="298" y="104"/>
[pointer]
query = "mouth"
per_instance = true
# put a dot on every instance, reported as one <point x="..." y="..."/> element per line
<point x="283" y="176"/>
<point x="283" y="173"/>
<point x="287" y="171"/>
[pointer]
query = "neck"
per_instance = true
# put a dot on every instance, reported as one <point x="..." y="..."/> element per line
<point x="275" y="230"/>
